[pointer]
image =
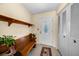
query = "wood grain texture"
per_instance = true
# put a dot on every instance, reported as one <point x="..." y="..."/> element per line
<point x="12" y="20"/>
<point x="25" y="44"/>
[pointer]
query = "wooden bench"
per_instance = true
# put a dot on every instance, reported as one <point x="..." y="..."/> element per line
<point x="25" y="44"/>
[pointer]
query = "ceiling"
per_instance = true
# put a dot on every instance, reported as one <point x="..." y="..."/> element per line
<point x="35" y="8"/>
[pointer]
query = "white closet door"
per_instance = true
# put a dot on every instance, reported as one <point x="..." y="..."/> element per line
<point x="74" y="30"/>
<point x="63" y="41"/>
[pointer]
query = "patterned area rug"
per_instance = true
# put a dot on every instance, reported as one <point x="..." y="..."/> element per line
<point x="46" y="51"/>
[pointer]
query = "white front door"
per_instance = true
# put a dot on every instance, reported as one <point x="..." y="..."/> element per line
<point x="45" y="34"/>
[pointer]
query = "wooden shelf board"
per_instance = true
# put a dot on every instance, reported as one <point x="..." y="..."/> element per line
<point x="12" y="20"/>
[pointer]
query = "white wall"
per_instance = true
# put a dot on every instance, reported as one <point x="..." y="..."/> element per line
<point x="18" y="12"/>
<point x="15" y="10"/>
<point x="52" y="14"/>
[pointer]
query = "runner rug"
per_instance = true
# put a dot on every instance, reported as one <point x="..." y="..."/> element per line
<point x="46" y="51"/>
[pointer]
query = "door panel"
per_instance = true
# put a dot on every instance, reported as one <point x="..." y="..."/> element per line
<point x="69" y="30"/>
<point x="64" y="34"/>
<point x="74" y="30"/>
<point x="63" y="41"/>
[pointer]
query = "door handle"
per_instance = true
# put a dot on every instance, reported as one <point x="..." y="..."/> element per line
<point x="74" y="41"/>
<point x="64" y="36"/>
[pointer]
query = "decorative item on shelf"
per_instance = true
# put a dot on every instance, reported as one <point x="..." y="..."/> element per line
<point x="8" y="45"/>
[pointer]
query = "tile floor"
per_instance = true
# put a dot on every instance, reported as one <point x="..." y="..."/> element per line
<point x="37" y="50"/>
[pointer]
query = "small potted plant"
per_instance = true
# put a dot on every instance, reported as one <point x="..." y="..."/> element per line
<point x="8" y="42"/>
<point x="1" y="41"/>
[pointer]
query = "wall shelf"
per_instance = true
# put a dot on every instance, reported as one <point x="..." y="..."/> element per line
<point x="12" y="20"/>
